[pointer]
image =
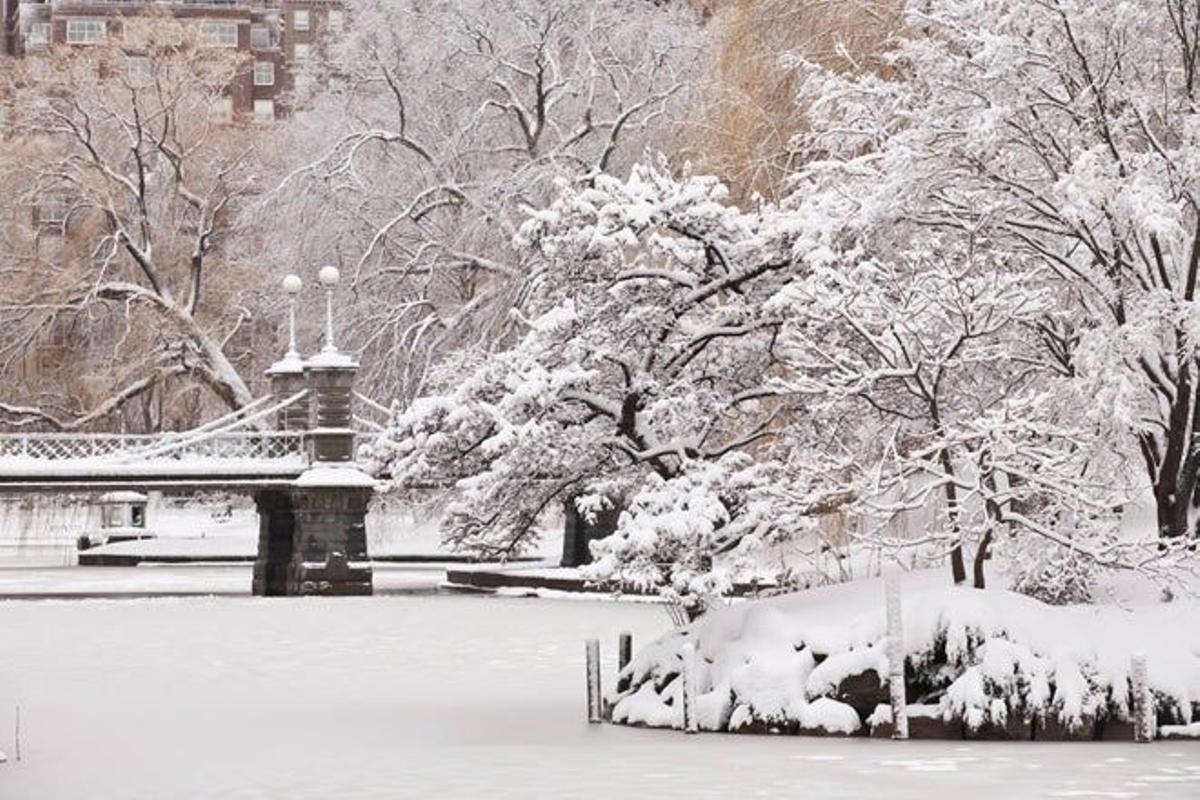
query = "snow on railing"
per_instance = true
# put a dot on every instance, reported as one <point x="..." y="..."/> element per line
<point x="115" y="448"/>
<point x="189" y="440"/>
<point x="174" y="447"/>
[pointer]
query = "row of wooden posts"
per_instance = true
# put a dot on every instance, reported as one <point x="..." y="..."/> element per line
<point x="1142" y="696"/>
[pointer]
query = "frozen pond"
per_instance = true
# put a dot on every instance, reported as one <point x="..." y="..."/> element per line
<point x="435" y="697"/>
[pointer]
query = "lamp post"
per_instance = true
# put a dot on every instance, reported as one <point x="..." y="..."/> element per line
<point x="287" y="374"/>
<point x="291" y="287"/>
<point x="329" y="276"/>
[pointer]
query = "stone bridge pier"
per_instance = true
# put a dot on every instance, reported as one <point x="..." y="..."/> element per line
<point x="312" y="535"/>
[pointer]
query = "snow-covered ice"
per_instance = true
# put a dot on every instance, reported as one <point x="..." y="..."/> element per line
<point x="435" y="697"/>
<point x="179" y="580"/>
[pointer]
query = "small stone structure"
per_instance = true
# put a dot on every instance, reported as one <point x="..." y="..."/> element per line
<point x="122" y="519"/>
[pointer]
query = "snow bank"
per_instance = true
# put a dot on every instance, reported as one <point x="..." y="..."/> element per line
<point x="816" y="660"/>
<point x="1191" y="731"/>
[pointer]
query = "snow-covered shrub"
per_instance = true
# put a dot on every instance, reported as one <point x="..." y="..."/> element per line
<point x="1005" y="680"/>
<point x="691" y="536"/>
<point x="982" y="657"/>
<point x="1051" y="573"/>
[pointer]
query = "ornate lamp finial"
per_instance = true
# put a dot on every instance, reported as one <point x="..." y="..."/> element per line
<point x="329" y="276"/>
<point x="291" y="287"/>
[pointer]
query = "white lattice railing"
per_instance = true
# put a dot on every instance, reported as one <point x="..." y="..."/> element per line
<point x="167" y="447"/>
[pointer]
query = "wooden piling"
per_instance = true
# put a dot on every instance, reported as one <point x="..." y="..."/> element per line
<point x="624" y="657"/>
<point x="593" y="681"/>
<point x="895" y="652"/>
<point x="688" y="678"/>
<point x="1141" y="699"/>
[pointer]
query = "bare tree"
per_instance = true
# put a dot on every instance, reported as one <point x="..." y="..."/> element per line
<point x="751" y="117"/>
<point x="446" y="121"/>
<point x="127" y="171"/>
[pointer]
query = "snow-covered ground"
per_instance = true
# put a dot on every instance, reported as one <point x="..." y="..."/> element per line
<point x="435" y="697"/>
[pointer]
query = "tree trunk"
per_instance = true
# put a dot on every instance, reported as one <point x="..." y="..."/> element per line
<point x="1172" y="509"/>
<point x="980" y="556"/>
<point x="995" y="516"/>
<point x="1174" y="475"/>
<point x="579" y="533"/>
<point x="218" y="374"/>
<point x="226" y="383"/>
<point x="958" y="567"/>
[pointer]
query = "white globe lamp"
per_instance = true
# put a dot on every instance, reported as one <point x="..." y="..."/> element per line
<point x="328" y="277"/>
<point x="291" y="287"/>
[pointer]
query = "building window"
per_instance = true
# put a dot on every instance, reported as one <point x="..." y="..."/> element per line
<point x="112" y="516"/>
<point x="336" y="20"/>
<point x="264" y="73"/>
<point x="300" y="20"/>
<point x="300" y="51"/>
<point x="219" y="34"/>
<point x="39" y="35"/>
<point x="86" y="31"/>
<point x="260" y="37"/>
<point x="223" y="109"/>
<point x="52" y="213"/>
<point x="264" y="110"/>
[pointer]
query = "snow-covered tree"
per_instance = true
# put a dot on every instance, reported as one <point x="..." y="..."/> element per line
<point x="979" y="296"/>
<point x="641" y="376"/>
<point x="923" y="340"/>
<point x="691" y="537"/>
<point x="1067" y="130"/>
<point x="125" y="173"/>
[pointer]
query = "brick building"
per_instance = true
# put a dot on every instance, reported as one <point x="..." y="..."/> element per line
<point x="281" y="36"/>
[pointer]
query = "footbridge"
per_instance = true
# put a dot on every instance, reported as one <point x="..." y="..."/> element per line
<point x="296" y="450"/>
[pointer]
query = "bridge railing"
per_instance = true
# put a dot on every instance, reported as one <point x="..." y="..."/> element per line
<point x="229" y="446"/>
<point x="114" y="448"/>
<point x="70" y="446"/>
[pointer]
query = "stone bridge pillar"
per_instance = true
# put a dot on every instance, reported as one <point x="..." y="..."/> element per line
<point x="276" y="522"/>
<point x="276" y="541"/>
<point x="312" y="535"/>
<point x="329" y="501"/>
